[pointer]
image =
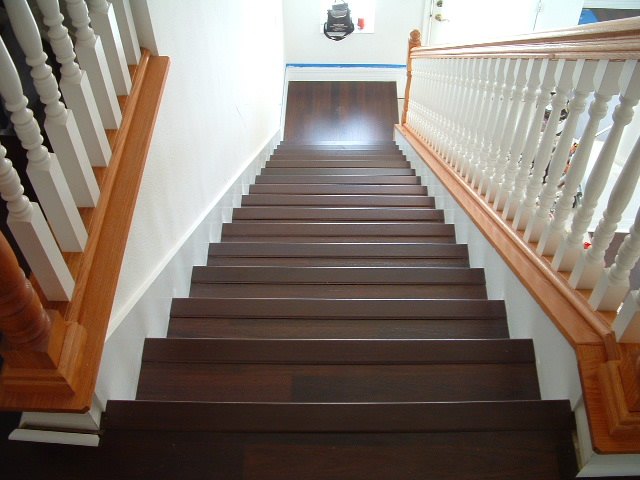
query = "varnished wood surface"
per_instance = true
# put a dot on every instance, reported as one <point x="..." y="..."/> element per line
<point x="97" y="269"/>
<point x="318" y="111"/>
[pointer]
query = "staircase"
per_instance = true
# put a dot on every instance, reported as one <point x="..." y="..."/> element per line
<point x="337" y="332"/>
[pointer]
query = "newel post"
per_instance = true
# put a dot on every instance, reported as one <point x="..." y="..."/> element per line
<point x="415" y="40"/>
<point x="36" y="343"/>
<point x="24" y="323"/>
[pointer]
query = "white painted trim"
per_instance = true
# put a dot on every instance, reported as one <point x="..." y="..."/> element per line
<point x="119" y="315"/>
<point x="46" y="436"/>
<point x="88" y="422"/>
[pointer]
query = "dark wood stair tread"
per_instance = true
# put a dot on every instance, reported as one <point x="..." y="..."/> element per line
<point x="340" y="179"/>
<point x="287" y="162"/>
<point x="337" y="282"/>
<point x="337" y="189"/>
<point x="339" y="275"/>
<point x="337" y="171"/>
<point x="337" y="308"/>
<point x="514" y="415"/>
<point x="313" y="328"/>
<point x="336" y="382"/>
<point x="377" y="230"/>
<point x="340" y="250"/>
<point x="338" y="352"/>
<point x="339" y="213"/>
<point x="338" y="200"/>
<point x="321" y="157"/>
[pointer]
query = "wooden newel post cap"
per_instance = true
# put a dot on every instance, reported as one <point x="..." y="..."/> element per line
<point x="415" y="38"/>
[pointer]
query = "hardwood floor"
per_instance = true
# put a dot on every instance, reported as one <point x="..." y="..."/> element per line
<point x="334" y="111"/>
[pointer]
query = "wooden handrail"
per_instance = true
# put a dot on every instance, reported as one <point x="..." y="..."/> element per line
<point x="609" y="371"/>
<point x="78" y="327"/>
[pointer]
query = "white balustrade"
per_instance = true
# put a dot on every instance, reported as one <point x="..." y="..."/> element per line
<point x="514" y="200"/>
<point x="488" y="76"/>
<point x="481" y="72"/>
<point x="30" y="230"/>
<point x="533" y="69"/>
<point x="506" y="130"/>
<point x="542" y="155"/>
<point x="591" y="264"/>
<point x="583" y="80"/>
<point x="43" y="168"/>
<point x="497" y="75"/>
<point x="613" y="284"/>
<point x="464" y="107"/>
<point x="60" y="124"/>
<point x="75" y="86"/>
<point x="127" y="28"/>
<point x="570" y="249"/>
<point x="627" y="323"/>
<point x="103" y="21"/>
<point x="606" y="85"/>
<point x="504" y="105"/>
<point x="93" y="60"/>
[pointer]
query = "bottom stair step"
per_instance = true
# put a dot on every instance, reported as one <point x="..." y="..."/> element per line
<point x="523" y="415"/>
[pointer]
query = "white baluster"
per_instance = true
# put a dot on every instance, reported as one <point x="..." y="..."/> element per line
<point x="488" y="76"/>
<point x="583" y="79"/>
<point x="627" y="324"/>
<point x="534" y="67"/>
<point x="591" y="264"/>
<point x="43" y="168"/>
<point x="93" y="60"/>
<point x="542" y="156"/>
<point x="606" y="85"/>
<point x="504" y="100"/>
<point x="613" y="284"/>
<point x="31" y="232"/>
<point x="571" y="249"/>
<point x="471" y="128"/>
<point x="490" y="120"/>
<point x="462" y="111"/>
<point x="533" y="139"/>
<point x="103" y="21"/>
<point x="508" y="126"/>
<point x="127" y="29"/>
<point x="75" y="86"/>
<point x="60" y="124"/>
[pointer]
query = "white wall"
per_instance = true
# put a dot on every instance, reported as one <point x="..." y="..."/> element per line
<point x="473" y="21"/>
<point x="305" y="42"/>
<point x="221" y="106"/>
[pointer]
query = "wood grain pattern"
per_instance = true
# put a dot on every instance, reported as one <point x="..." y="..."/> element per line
<point x="319" y="111"/>
<point x="97" y="269"/>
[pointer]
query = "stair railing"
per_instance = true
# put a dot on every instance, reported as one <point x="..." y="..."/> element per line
<point x="500" y="121"/>
<point x="53" y="328"/>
